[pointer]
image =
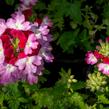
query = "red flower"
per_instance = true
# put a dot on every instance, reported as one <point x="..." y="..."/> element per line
<point x="21" y="37"/>
<point x="39" y="21"/>
<point x="106" y="60"/>
<point x="14" y="52"/>
<point x="107" y="39"/>
<point x="27" y="13"/>
<point x="98" y="55"/>
<point x="21" y="55"/>
<point x="10" y="52"/>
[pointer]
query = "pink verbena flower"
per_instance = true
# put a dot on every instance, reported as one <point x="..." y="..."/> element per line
<point x="22" y="53"/>
<point x="18" y="22"/>
<point x="44" y="29"/>
<point x="43" y="36"/>
<point x="26" y="7"/>
<point x="47" y="21"/>
<point x="7" y="73"/>
<point x="90" y="58"/>
<point x="2" y="57"/>
<point x="104" y="68"/>
<point x="32" y="43"/>
<point x="29" y="66"/>
<point x="28" y="2"/>
<point x="2" y="26"/>
<point x="45" y="52"/>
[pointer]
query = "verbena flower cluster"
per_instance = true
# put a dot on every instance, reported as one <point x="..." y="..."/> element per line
<point x="100" y="57"/>
<point x="24" y="46"/>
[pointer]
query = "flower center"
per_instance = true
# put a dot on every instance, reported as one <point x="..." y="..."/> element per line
<point x="14" y="43"/>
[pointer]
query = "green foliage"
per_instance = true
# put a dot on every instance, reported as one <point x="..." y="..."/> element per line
<point x="104" y="48"/>
<point x="10" y="2"/>
<point x="60" y="96"/>
<point x="102" y="99"/>
<point x="68" y="39"/>
<point x="96" y="82"/>
<point x="74" y="11"/>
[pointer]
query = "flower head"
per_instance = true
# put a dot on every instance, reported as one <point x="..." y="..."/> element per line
<point x="31" y="44"/>
<point x="2" y="26"/>
<point x="98" y="55"/>
<point x="90" y="58"/>
<point x="28" y="2"/>
<point x="29" y="67"/>
<point x="22" y="51"/>
<point x="104" y="68"/>
<point x="18" y="22"/>
<point x="8" y="73"/>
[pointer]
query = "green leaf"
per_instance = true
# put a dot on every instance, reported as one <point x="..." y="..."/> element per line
<point x="106" y="11"/>
<point x="68" y="39"/>
<point x="78" y="85"/>
<point x="103" y="99"/>
<point x="99" y="1"/>
<point x="74" y="11"/>
<point x="84" y="40"/>
<point x="78" y="101"/>
<point x="9" y="2"/>
<point x="14" y="104"/>
<point x="1" y="98"/>
<point x="107" y="30"/>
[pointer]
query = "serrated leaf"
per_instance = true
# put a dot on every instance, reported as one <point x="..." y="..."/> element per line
<point x="103" y="99"/>
<point x="77" y="100"/>
<point x="13" y="104"/>
<point x="78" y="85"/>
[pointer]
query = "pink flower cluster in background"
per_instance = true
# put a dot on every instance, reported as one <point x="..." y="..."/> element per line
<point x="24" y="46"/>
<point x="101" y="61"/>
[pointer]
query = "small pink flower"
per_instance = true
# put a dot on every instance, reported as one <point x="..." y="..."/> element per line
<point x="48" y="56"/>
<point x="90" y="58"/>
<point x="47" y="21"/>
<point x="44" y="30"/>
<point x="29" y="67"/>
<point x="104" y="68"/>
<point x="29" y="2"/>
<point x="29" y="61"/>
<point x="2" y="26"/>
<point x="7" y="73"/>
<point x="31" y="44"/>
<point x="32" y="79"/>
<point x="2" y="57"/>
<point x="18" y="22"/>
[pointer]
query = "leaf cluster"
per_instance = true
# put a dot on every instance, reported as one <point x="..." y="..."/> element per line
<point x="61" y="96"/>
